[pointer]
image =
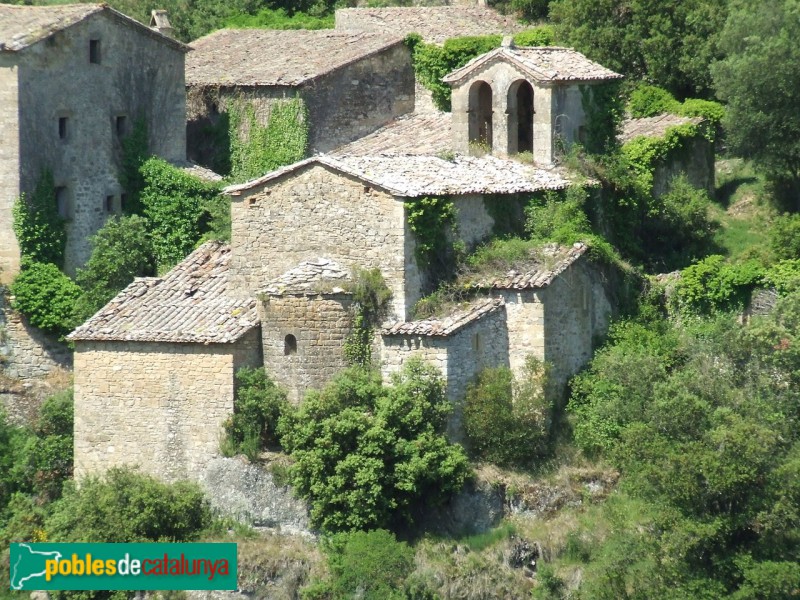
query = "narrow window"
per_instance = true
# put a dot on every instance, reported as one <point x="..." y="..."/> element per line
<point x="62" y="201"/>
<point x="121" y="124"/>
<point x="123" y="202"/>
<point x="289" y="345"/>
<point x="109" y="204"/>
<point x="62" y="128"/>
<point x="94" y="51"/>
<point x="476" y="342"/>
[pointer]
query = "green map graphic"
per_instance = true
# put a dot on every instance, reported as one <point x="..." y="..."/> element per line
<point x="27" y="565"/>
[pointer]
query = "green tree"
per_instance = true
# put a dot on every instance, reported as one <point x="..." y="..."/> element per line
<point x="40" y="229"/>
<point x="758" y="78"/>
<point x="367" y="455"/>
<point x="121" y="250"/>
<point x="46" y="297"/>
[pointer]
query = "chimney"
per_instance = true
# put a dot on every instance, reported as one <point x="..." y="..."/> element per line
<point x="159" y="21"/>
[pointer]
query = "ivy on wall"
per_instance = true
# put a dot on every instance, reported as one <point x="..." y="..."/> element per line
<point x="370" y="296"/>
<point x="603" y="108"/>
<point x="256" y="149"/>
<point x="431" y="219"/>
<point x="40" y="230"/>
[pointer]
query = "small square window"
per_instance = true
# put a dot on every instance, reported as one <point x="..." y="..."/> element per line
<point x="62" y="202"/>
<point x="109" y="204"/>
<point x="62" y="128"/>
<point x="121" y="125"/>
<point x="94" y="51"/>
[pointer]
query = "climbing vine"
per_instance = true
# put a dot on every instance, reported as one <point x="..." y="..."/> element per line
<point x="256" y="149"/>
<point x="603" y="108"/>
<point x="371" y="297"/>
<point x="40" y="229"/>
<point x="431" y="219"/>
<point x="135" y="151"/>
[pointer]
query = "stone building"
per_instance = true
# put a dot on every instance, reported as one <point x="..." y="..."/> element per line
<point x="73" y="81"/>
<point x="350" y="82"/>
<point x="297" y="235"/>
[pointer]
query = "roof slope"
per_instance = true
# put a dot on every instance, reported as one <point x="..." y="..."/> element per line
<point x="653" y="126"/>
<point x="545" y="64"/>
<point x="310" y="277"/>
<point x="191" y="303"/>
<point x="268" y="57"/>
<point x="22" y="26"/>
<point x="541" y="274"/>
<point x="459" y="318"/>
<point x="413" y="176"/>
<point x="416" y="133"/>
<point x="434" y="23"/>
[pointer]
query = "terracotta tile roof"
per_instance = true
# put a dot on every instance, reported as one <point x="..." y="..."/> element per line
<point x="653" y="126"/>
<point x="417" y="133"/>
<point x="434" y="23"/>
<point x="413" y="176"/>
<point x="267" y="57"/>
<point x="191" y="303"/>
<point x="545" y="63"/>
<point x="560" y="259"/>
<point x="462" y="316"/>
<point x="309" y="277"/>
<point x="22" y="26"/>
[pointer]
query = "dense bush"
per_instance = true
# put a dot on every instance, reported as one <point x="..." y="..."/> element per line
<point x="177" y="208"/>
<point x="507" y="422"/>
<point x="371" y="565"/>
<point x="367" y="455"/>
<point x="650" y="100"/>
<point x="127" y="506"/>
<point x="784" y="276"/>
<point x="279" y="18"/>
<point x="784" y="236"/>
<point x="713" y="284"/>
<point x="121" y="250"/>
<point x="40" y="230"/>
<point x="46" y="297"/>
<point x="258" y="405"/>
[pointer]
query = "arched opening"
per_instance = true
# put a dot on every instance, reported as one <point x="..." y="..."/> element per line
<point x="289" y="345"/>
<point x="520" y="117"/>
<point x="480" y="114"/>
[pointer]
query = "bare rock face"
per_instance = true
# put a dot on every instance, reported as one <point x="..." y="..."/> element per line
<point x="478" y="507"/>
<point x="248" y="493"/>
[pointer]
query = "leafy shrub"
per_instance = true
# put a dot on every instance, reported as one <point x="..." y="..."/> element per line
<point x="49" y="462"/>
<point x="784" y="236"/>
<point x="543" y="35"/>
<point x="784" y="276"/>
<point x="367" y="454"/>
<point x="40" y="230"/>
<point x="508" y="422"/>
<point x="371" y="565"/>
<point x="176" y="206"/>
<point x="127" y="506"/>
<point x="278" y="18"/>
<point x="46" y="297"/>
<point x="370" y="296"/>
<point x="649" y="101"/>
<point x="713" y="285"/>
<point x="121" y="250"/>
<point x="135" y="152"/>
<point x="258" y="405"/>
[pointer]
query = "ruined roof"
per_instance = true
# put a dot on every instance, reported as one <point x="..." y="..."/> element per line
<point x="543" y="63"/>
<point x="416" y="133"/>
<point x="191" y="303"/>
<point x="321" y="275"/>
<point x="413" y="176"/>
<point x="557" y="260"/>
<point x="199" y="171"/>
<point x="434" y="24"/>
<point x="459" y="318"/>
<point x="22" y="26"/>
<point x="653" y="126"/>
<point x="267" y="57"/>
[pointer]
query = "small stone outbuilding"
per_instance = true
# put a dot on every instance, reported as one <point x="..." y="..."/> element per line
<point x="350" y="82"/>
<point x="74" y="79"/>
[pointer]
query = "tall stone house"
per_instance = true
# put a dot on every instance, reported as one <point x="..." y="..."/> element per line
<point x="154" y="369"/>
<point x="351" y="83"/>
<point x="73" y="81"/>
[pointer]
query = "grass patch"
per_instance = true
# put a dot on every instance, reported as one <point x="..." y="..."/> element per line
<point x="480" y="541"/>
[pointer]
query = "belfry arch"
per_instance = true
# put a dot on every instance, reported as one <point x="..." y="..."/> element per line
<point x="480" y="114"/>
<point x="520" y="117"/>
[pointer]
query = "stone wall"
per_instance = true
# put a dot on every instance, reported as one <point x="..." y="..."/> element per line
<point x="317" y="212"/>
<point x="343" y="105"/>
<point x="318" y="326"/>
<point x="25" y="351"/>
<point x="695" y="160"/>
<point x="139" y="75"/>
<point x="9" y="165"/>
<point x="157" y="405"/>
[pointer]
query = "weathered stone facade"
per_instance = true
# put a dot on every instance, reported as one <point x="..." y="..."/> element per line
<point x="161" y="406"/>
<point x="68" y="99"/>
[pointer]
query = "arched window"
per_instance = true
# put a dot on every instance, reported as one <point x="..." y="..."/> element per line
<point x="520" y="117"/>
<point x="289" y="345"/>
<point x="480" y="114"/>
